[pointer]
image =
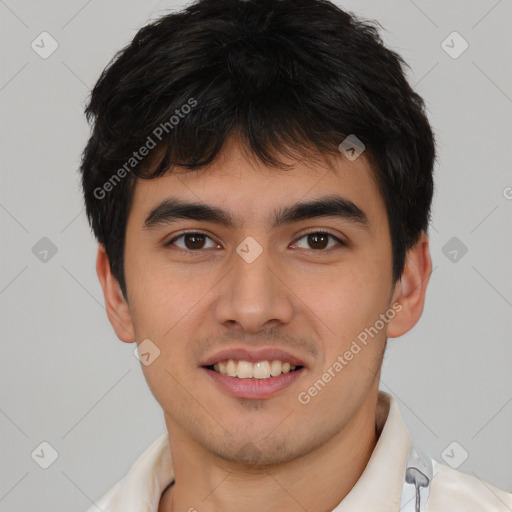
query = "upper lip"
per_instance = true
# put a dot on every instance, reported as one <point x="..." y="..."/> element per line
<point x="252" y="355"/>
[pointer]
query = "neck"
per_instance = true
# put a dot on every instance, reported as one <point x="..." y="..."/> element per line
<point x="316" y="481"/>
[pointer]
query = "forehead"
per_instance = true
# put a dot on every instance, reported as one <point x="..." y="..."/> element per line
<point x="241" y="185"/>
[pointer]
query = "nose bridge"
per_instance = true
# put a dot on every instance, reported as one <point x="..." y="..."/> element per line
<point x="252" y="274"/>
<point x="252" y="295"/>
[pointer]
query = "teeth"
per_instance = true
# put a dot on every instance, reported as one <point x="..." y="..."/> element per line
<point x="275" y="368"/>
<point x="244" y="370"/>
<point x="261" y="370"/>
<point x="231" y="367"/>
<point x="247" y="370"/>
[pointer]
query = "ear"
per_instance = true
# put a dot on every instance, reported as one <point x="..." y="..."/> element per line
<point x="116" y="306"/>
<point x="410" y="290"/>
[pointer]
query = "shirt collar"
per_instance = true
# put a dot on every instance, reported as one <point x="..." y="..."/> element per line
<point x="378" y="489"/>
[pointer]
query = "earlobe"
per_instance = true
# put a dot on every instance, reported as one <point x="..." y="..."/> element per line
<point x="411" y="289"/>
<point x="115" y="304"/>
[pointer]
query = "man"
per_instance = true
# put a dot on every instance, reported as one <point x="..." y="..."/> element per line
<point x="259" y="179"/>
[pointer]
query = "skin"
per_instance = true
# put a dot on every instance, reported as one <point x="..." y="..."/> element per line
<point x="231" y="454"/>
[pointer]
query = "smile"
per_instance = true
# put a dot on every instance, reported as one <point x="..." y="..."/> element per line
<point x="242" y="369"/>
<point x="253" y="381"/>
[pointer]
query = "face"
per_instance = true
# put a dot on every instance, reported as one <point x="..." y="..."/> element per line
<point x="310" y="287"/>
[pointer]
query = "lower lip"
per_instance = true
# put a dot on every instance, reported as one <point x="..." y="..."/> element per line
<point x="254" y="389"/>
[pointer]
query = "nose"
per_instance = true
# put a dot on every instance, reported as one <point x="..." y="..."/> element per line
<point x="254" y="295"/>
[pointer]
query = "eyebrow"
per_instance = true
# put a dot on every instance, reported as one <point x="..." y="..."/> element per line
<point x="173" y="209"/>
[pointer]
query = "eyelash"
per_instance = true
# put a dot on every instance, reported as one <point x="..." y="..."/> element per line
<point x="199" y="251"/>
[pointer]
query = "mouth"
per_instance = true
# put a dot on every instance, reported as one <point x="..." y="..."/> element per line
<point x="260" y="370"/>
<point x="253" y="373"/>
<point x="259" y="379"/>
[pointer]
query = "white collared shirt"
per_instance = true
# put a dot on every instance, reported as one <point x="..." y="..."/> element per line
<point x="381" y="488"/>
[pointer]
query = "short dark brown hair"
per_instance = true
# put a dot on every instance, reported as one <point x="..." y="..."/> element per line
<point x="301" y="74"/>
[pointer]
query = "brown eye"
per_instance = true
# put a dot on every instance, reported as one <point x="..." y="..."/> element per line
<point x="319" y="240"/>
<point x="192" y="241"/>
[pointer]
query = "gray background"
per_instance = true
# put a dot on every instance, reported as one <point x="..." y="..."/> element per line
<point x="67" y="380"/>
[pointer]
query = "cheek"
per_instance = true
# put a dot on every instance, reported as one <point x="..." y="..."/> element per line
<point x="163" y="295"/>
<point x="167" y="308"/>
<point x="347" y="298"/>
